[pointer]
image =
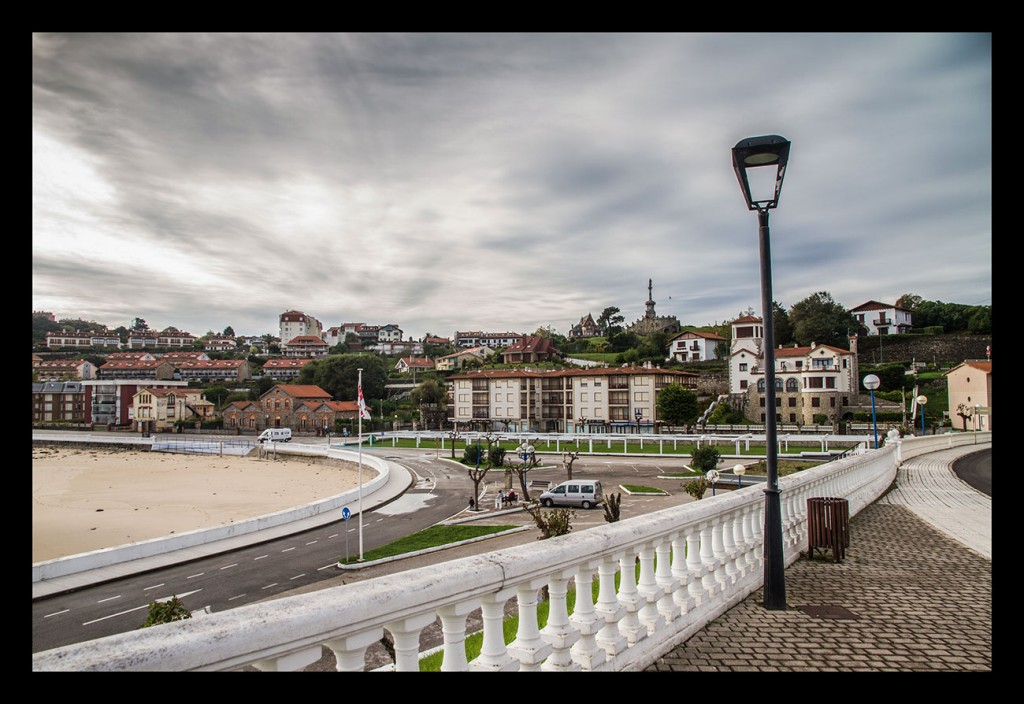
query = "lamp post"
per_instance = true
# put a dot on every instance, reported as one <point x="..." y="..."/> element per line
<point x="753" y="153"/>
<point x="638" y="414"/>
<point x="921" y="401"/>
<point x="872" y="382"/>
<point x="977" y="413"/>
<point x="739" y="470"/>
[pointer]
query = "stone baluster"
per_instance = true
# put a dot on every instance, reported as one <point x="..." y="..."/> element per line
<point x="712" y="586"/>
<point x="650" y="591"/>
<point x="731" y="551"/>
<point x="586" y="651"/>
<point x="610" y="609"/>
<point x="453" y="627"/>
<point x="696" y="568"/>
<point x="406" y="635"/>
<point x="666" y="579"/>
<point x="350" y="651"/>
<point x="528" y="648"/>
<point x="630" y="599"/>
<point x="292" y="661"/>
<point x="494" y="656"/>
<point x="559" y="633"/>
<point x="745" y="537"/>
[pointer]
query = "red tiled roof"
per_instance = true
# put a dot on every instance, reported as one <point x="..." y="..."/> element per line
<point x="303" y="390"/>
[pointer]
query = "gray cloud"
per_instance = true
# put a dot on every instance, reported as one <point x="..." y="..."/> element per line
<point x="499" y="181"/>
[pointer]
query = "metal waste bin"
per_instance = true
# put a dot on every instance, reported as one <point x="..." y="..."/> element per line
<point x="828" y="526"/>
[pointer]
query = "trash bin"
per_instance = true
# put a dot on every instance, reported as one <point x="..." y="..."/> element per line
<point x="828" y="526"/>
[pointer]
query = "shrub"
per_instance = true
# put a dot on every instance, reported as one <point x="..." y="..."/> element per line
<point x="696" y="487"/>
<point x="611" y="507"/>
<point x="474" y="454"/>
<point x="556" y="522"/>
<point x="165" y="612"/>
<point x="705" y="458"/>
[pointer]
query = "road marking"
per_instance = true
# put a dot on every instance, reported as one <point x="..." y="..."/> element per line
<point x="311" y="542"/>
<point x="297" y="576"/>
<point x="57" y="613"/>
<point x="139" y="608"/>
<point x="232" y="598"/>
<point x="260" y="557"/>
<point x="287" y="549"/>
<point x="229" y="566"/>
<point x="108" y="599"/>
<point x="198" y="574"/>
<point x="152" y="587"/>
<point x="270" y="585"/>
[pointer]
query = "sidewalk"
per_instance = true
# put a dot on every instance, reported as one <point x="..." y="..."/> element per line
<point x="909" y="597"/>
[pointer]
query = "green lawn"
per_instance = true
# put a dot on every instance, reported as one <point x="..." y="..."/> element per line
<point x="432" y="537"/>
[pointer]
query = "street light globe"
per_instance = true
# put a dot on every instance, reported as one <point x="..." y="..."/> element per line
<point x="872" y="382"/>
<point x="922" y="399"/>
<point x="739" y="470"/>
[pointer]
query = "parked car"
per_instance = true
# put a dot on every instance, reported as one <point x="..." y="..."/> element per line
<point x="585" y="494"/>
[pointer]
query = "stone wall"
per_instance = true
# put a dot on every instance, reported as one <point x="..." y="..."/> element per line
<point x="943" y="350"/>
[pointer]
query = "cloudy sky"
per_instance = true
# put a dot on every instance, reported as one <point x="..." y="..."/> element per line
<point x="499" y="182"/>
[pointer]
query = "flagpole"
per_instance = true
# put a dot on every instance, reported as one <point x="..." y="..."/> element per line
<point x="360" y="404"/>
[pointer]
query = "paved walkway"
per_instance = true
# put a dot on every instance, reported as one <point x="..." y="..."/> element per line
<point x="914" y="593"/>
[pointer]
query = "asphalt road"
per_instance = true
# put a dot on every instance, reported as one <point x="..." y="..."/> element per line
<point x="976" y="470"/>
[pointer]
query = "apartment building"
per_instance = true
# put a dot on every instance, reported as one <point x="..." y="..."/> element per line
<point x="295" y="323"/>
<point x="695" y="346"/>
<point x="605" y="400"/>
<point x="209" y="371"/>
<point x="58" y="402"/>
<point x="63" y="369"/>
<point x="158" y="409"/>
<point x="109" y="401"/>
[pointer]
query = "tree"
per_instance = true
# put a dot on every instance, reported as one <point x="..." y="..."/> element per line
<point x="338" y="375"/>
<point x="783" y="325"/>
<point x="138" y="325"/>
<point x="909" y="301"/>
<point x="567" y="459"/>
<point x="229" y="331"/>
<point x="609" y="321"/>
<point x="819" y="319"/>
<point x="431" y="397"/>
<point x="216" y="394"/>
<point x="677" y="406"/>
<point x="477" y="468"/>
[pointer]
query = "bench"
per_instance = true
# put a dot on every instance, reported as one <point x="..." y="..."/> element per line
<point x="539" y="484"/>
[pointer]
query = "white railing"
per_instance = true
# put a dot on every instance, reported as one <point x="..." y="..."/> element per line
<point x="695" y="562"/>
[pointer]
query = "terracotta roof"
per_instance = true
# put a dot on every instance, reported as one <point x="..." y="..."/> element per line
<point x="303" y="390"/>
<point x="746" y="319"/>
<point x="286" y="362"/>
<point x="981" y="366"/>
<point x="210" y="363"/>
<point x="532" y="343"/>
<point x="875" y="305"/>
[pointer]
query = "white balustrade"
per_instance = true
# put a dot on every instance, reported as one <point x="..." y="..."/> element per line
<point x="695" y="561"/>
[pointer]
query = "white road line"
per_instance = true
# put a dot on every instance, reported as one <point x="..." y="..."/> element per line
<point x="287" y="549"/>
<point x="193" y="576"/>
<point x="297" y="576"/>
<point x="57" y="613"/>
<point x="153" y="586"/>
<point x="232" y="598"/>
<point x="270" y="585"/>
<point x="260" y="557"/>
<point x="109" y="599"/>
<point x="225" y="567"/>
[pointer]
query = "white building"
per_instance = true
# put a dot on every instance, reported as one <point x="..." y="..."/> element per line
<point x="882" y="319"/>
<point x="694" y="346"/>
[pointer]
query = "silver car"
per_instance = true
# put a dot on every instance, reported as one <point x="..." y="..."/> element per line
<point x="585" y="494"/>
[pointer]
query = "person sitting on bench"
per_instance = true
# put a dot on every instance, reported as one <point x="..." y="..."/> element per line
<point x="511" y="496"/>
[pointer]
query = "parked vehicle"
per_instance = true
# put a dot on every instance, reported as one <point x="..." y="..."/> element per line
<point x="275" y="435"/>
<point x="585" y="494"/>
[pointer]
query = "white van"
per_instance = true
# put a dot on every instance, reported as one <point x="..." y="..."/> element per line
<point x="585" y="494"/>
<point x="275" y="435"/>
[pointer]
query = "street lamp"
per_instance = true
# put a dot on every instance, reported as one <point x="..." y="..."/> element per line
<point x="638" y="414"/>
<point x="977" y="414"/>
<point x="872" y="382"/>
<point x="921" y="401"/>
<point x="754" y="153"/>
<point x="739" y="470"/>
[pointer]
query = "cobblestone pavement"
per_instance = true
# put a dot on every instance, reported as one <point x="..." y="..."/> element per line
<point x="907" y="598"/>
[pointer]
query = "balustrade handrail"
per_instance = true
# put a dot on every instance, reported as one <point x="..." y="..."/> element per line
<point x="695" y="561"/>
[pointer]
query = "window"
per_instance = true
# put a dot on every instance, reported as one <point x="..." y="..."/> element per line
<point x="792" y="417"/>
<point x="832" y="402"/>
<point x="778" y="402"/>
<point x="584" y="396"/>
<point x="792" y="385"/>
<point x="640" y="396"/>
<point x="816" y="402"/>
<point x="743" y="384"/>
<point x="743" y="366"/>
<point x="792" y="402"/>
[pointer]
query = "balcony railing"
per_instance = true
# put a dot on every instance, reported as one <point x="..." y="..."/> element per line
<point x="695" y="562"/>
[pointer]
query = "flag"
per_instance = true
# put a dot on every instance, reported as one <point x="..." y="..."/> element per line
<point x="363" y="413"/>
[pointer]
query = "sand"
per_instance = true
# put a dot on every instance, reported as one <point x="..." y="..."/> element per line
<point x="87" y="499"/>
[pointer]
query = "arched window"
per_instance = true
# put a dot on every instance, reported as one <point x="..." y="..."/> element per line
<point x="778" y="384"/>
<point x="791" y="385"/>
<point x="760" y="385"/>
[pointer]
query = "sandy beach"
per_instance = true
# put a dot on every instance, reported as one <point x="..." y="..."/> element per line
<point x="87" y="499"/>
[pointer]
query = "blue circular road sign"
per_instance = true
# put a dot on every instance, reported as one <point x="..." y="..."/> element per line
<point x="345" y="514"/>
